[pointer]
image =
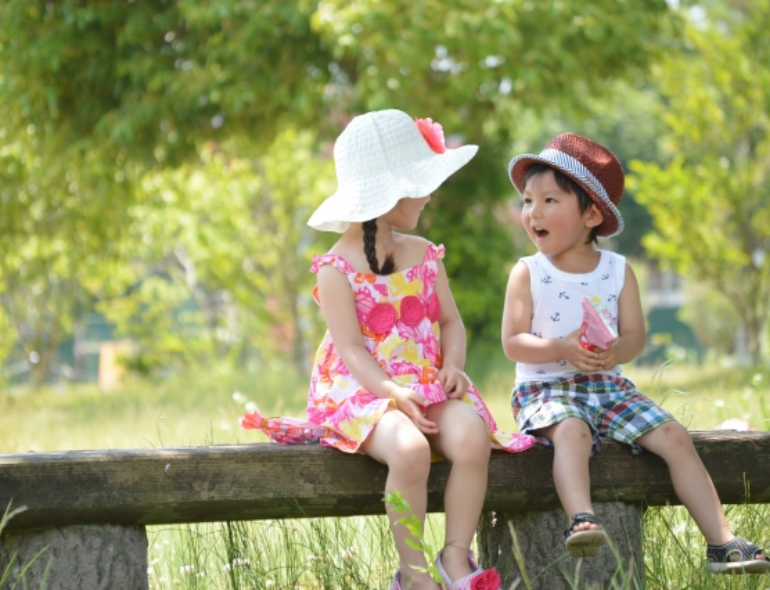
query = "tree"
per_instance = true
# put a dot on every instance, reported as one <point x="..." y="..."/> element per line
<point x="136" y="89"/>
<point x="220" y="256"/>
<point x="709" y="203"/>
<point x="56" y="244"/>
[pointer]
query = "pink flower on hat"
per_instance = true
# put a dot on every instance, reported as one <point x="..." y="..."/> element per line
<point x="433" y="134"/>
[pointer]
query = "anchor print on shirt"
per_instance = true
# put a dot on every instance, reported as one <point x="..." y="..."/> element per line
<point x="605" y="277"/>
<point x="546" y="280"/>
<point x="556" y="317"/>
<point x="563" y="295"/>
<point x="584" y="283"/>
<point x="612" y="297"/>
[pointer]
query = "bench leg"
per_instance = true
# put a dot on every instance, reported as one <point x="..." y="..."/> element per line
<point x="541" y="548"/>
<point x="78" y="558"/>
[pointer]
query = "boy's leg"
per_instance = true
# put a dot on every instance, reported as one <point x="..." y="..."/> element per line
<point x="463" y="438"/>
<point x="692" y="483"/>
<point x="398" y="443"/>
<point x="572" y="440"/>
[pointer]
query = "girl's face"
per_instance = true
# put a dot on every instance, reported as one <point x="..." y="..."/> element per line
<point x="552" y="216"/>
<point x="407" y="212"/>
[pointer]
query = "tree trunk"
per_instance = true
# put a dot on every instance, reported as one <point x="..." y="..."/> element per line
<point x="528" y="547"/>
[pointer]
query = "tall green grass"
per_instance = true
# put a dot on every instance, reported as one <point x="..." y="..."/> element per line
<point x="12" y="572"/>
<point x="202" y="407"/>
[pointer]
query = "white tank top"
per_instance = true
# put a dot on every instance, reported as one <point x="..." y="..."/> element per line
<point x="557" y="306"/>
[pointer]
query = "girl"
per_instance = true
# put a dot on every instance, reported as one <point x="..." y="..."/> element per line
<point x="388" y="378"/>
<point x="570" y="392"/>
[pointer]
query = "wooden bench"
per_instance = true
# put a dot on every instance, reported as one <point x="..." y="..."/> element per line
<point x="122" y="490"/>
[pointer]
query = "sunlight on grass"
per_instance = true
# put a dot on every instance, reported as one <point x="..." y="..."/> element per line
<point x="346" y="553"/>
<point x="203" y="407"/>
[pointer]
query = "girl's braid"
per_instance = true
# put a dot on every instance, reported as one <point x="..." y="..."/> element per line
<point x="370" y="231"/>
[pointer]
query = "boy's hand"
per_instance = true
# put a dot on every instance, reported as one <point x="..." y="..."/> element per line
<point x="583" y="359"/>
<point x="607" y="357"/>
<point x="454" y="381"/>
<point x="413" y="404"/>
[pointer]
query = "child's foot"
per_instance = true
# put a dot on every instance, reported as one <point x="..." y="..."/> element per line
<point x="477" y="578"/>
<point x="585" y="536"/>
<point x="455" y="562"/>
<point x="413" y="581"/>
<point x="737" y="556"/>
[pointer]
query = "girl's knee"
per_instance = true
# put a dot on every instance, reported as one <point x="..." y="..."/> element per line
<point x="472" y="446"/>
<point x="410" y="456"/>
<point x="465" y="437"/>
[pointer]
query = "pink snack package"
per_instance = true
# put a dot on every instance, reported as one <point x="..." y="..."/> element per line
<point x="598" y="327"/>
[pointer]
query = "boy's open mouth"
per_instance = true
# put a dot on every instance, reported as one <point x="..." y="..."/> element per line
<point x="541" y="233"/>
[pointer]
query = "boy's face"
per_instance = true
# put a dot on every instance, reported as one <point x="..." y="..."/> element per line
<point x="552" y="217"/>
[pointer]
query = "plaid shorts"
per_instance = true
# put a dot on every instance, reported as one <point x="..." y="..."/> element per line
<point x="610" y="406"/>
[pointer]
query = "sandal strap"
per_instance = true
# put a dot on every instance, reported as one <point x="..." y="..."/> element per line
<point x="737" y="550"/>
<point x="580" y="518"/>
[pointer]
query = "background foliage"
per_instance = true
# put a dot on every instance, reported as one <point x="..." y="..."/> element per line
<point x="158" y="159"/>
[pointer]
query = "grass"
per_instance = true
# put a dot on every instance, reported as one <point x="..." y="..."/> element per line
<point x="202" y="407"/>
<point x="13" y="570"/>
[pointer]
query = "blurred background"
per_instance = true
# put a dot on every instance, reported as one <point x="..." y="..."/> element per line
<point x="159" y="160"/>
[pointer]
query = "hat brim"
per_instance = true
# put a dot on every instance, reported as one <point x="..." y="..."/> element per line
<point x="612" y="224"/>
<point x="377" y="194"/>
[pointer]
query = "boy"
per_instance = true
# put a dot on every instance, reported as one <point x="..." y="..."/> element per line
<point x="569" y="394"/>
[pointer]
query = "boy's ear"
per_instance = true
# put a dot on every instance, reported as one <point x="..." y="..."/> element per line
<point x="593" y="216"/>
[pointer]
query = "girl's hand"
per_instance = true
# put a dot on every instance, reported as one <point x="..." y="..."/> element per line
<point x="412" y="404"/>
<point x="585" y="360"/>
<point x="454" y="381"/>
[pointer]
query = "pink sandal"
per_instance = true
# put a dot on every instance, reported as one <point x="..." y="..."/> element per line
<point x="478" y="579"/>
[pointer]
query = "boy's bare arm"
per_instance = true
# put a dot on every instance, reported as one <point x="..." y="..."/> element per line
<point x="519" y="345"/>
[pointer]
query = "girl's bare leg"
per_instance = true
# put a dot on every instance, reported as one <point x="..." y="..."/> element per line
<point x="463" y="439"/>
<point x="398" y="443"/>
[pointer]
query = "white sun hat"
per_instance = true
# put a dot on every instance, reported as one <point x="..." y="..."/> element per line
<point x="380" y="158"/>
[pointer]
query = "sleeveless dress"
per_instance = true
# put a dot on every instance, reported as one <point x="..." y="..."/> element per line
<point x="398" y="315"/>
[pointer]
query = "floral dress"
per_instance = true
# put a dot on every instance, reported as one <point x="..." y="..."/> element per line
<point x="398" y="314"/>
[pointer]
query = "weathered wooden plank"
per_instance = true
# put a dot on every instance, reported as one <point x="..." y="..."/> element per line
<point x="262" y="481"/>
